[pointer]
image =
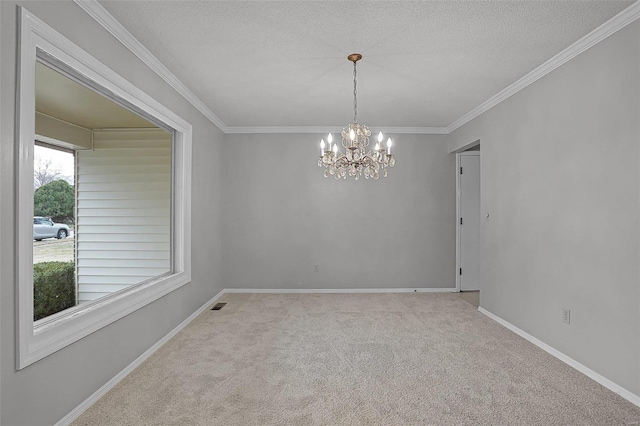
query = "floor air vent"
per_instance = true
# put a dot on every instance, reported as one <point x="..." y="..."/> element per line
<point x="218" y="306"/>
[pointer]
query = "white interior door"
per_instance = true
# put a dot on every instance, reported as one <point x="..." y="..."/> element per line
<point x="469" y="221"/>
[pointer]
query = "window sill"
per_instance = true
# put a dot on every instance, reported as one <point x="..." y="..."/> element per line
<point x="52" y="334"/>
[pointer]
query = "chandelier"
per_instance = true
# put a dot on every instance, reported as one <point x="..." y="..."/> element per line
<point x="357" y="160"/>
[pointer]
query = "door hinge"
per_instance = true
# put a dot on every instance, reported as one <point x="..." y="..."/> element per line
<point x="460" y="221"/>
<point x="460" y="271"/>
<point x="460" y="170"/>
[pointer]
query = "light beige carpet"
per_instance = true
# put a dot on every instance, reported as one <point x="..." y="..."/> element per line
<point x="472" y="297"/>
<point x="354" y="359"/>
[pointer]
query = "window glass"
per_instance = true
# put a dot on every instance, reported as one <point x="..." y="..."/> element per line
<point x="102" y="205"/>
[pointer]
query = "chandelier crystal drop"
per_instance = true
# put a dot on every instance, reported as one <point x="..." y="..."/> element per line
<point x="357" y="159"/>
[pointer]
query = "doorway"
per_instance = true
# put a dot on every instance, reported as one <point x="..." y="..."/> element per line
<point x="468" y="220"/>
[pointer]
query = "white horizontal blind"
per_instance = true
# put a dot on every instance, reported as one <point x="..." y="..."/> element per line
<point x="123" y="227"/>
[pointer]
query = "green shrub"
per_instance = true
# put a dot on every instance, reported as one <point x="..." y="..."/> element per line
<point x="54" y="288"/>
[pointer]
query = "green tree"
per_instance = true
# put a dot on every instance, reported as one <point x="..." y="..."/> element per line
<point x="55" y="200"/>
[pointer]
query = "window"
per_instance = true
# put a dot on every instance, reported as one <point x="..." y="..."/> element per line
<point x="132" y="193"/>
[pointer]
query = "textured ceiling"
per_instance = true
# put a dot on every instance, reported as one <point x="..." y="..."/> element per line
<point x="425" y="63"/>
<point x="60" y="97"/>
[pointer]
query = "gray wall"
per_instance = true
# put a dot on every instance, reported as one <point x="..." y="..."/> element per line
<point x="560" y="170"/>
<point x="47" y="390"/>
<point x="560" y="178"/>
<point x="282" y="217"/>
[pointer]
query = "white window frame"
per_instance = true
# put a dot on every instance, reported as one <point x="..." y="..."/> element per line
<point x="36" y="341"/>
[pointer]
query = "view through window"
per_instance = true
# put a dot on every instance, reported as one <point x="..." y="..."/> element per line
<point x="53" y="231"/>
<point x="102" y="196"/>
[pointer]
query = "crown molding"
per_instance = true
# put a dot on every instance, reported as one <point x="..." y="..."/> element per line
<point x="115" y="28"/>
<point x="416" y="130"/>
<point x="324" y="129"/>
<point x="619" y="21"/>
<point x="104" y="18"/>
<point x="279" y="129"/>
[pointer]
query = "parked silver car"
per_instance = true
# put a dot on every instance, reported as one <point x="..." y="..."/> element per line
<point x="43" y="227"/>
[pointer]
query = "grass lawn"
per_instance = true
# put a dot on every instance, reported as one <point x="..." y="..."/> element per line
<point x="51" y="250"/>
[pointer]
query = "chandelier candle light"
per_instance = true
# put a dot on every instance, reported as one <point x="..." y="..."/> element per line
<point x="356" y="161"/>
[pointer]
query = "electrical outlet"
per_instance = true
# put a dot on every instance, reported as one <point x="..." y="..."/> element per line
<point x="316" y="268"/>
<point x="566" y="316"/>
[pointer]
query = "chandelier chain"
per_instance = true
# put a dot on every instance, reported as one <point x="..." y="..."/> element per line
<point x="355" y="94"/>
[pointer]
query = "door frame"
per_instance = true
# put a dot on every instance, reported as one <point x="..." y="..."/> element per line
<point x="458" y="245"/>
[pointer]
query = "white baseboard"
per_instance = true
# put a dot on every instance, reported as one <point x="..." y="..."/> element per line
<point x="339" y="290"/>
<point x="84" y="405"/>
<point x="629" y="396"/>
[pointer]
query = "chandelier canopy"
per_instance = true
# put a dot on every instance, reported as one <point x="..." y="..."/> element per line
<point x="357" y="160"/>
